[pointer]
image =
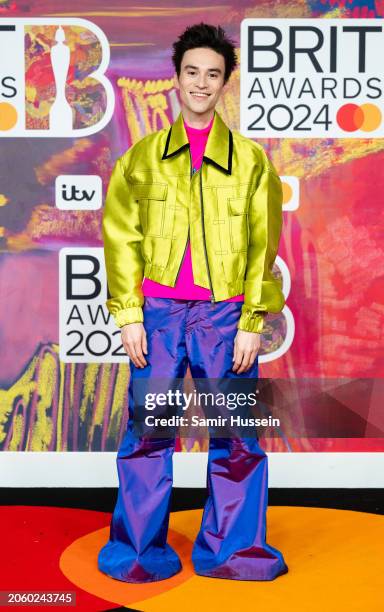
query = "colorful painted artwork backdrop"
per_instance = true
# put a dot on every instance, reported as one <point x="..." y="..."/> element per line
<point x="332" y="244"/>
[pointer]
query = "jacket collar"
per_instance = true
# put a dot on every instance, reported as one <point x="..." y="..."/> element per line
<point x="219" y="147"/>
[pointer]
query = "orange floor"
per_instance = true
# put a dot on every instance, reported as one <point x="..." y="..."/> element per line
<point x="335" y="560"/>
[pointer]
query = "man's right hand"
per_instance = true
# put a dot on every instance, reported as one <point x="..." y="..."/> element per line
<point x="134" y="338"/>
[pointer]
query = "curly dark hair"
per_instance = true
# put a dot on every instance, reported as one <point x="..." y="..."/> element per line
<point x="205" y="35"/>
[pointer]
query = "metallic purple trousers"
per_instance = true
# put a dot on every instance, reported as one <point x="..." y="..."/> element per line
<point x="231" y="542"/>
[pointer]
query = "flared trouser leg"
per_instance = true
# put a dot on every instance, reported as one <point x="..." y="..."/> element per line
<point x="137" y="550"/>
<point x="231" y="542"/>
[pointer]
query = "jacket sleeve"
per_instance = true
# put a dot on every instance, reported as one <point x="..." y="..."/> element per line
<point x="262" y="291"/>
<point x="122" y="236"/>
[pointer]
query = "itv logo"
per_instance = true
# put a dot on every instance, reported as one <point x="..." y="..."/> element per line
<point x="78" y="192"/>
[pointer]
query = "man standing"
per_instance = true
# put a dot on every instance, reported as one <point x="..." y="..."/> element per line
<point x="191" y="228"/>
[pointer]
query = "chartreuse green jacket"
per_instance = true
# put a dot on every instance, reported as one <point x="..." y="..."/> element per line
<point x="231" y="209"/>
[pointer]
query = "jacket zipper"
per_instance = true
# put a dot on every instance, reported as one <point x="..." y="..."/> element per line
<point x="185" y="248"/>
<point x="212" y="296"/>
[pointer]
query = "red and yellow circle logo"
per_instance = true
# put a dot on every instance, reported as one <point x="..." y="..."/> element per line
<point x="8" y="116"/>
<point x="287" y="192"/>
<point x="364" y="117"/>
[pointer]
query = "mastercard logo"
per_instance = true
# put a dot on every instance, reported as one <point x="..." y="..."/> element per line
<point x="291" y="192"/>
<point x="287" y="192"/>
<point x="8" y="116"/>
<point x="364" y="117"/>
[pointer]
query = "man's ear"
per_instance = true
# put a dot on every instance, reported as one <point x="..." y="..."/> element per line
<point x="176" y="81"/>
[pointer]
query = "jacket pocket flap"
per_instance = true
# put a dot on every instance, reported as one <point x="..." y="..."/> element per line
<point x="238" y="206"/>
<point x="150" y="191"/>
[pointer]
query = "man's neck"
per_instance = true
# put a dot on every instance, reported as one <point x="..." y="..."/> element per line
<point x="195" y="120"/>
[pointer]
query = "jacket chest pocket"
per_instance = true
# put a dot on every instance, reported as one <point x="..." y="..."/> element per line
<point x="238" y="223"/>
<point x="151" y="198"/>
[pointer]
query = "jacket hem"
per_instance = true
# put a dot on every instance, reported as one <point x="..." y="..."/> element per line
<point x="160" y="275"/>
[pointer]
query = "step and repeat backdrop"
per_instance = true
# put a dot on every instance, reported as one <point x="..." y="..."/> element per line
<point x="82" y="82"/>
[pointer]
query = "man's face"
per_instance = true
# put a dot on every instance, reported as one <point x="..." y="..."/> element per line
<point x="201" y="79"/>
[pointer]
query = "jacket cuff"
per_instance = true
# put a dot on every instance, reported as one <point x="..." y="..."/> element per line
<point x="252" y="322"/>
<point x="133" y="314"/>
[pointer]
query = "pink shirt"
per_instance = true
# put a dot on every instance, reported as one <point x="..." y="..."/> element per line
<point x="185" y="287"/>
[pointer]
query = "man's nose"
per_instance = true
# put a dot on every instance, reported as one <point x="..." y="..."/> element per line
<point x="201" y="82"/>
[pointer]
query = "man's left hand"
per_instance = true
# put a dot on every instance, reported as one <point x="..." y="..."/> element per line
<point x="246" y="347"/>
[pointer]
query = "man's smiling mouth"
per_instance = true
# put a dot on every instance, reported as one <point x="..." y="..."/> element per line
<point x="199" y="94"/>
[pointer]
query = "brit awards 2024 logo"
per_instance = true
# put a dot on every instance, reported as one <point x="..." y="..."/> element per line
<point x="311" y="78"/>
<point x="87" y="332"/>
<point x="52" y="80"/>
